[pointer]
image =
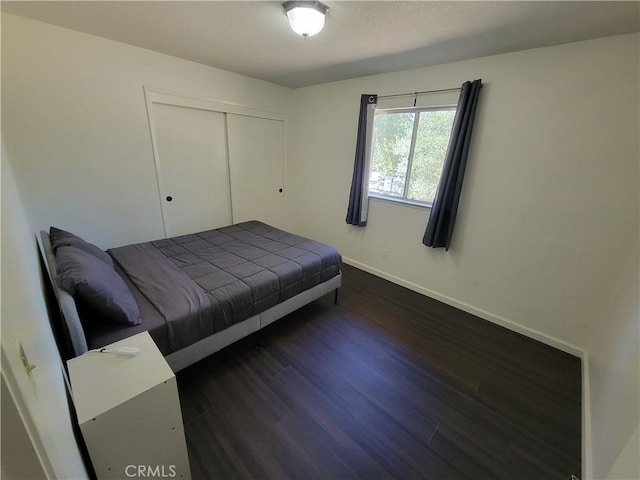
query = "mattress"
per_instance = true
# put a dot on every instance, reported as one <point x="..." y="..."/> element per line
<point x="192" y="286"/>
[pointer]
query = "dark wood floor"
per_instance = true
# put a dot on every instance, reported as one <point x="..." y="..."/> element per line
<point x="386" y="384"/>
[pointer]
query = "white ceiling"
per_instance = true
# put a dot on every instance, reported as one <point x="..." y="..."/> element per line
<point x="360" y="37"/>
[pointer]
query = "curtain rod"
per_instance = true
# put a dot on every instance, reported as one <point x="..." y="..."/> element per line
<point x="415" y="94"/>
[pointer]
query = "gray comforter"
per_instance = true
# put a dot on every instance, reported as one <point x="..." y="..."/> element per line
<point x="205" y="282"/>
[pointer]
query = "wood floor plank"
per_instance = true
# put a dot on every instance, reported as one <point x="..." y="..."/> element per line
<point x="336" y="421"/>
<point x="386" y="384"/>
<point x="374" y="427"/>
<point x="521" y="464"/>
<point x="474" y="450"/>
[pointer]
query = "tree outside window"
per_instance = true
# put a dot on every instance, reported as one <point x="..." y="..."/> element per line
<point x="409" y="146"/>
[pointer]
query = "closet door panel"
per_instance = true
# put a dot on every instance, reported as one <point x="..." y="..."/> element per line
<point x="193" y="168"/>
<point x="256" y="162"/>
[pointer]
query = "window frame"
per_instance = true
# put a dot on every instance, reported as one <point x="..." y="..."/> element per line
<point x="416" y="122"/>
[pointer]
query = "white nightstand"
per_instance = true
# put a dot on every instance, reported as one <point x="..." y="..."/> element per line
<point x="129" y="412"/>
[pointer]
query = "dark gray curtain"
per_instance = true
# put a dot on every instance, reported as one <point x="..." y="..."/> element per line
<point x="445" y="204"/>
<point x="357" y="209"/>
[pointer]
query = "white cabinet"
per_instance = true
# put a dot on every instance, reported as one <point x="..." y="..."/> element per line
<point x="129" y="412"/>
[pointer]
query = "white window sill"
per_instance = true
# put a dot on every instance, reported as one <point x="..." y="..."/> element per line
<point x="400" y="201"/>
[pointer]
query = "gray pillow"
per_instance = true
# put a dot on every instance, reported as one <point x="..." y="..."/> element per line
<point x="97" y="285"/>
<point x="60" y="238"/>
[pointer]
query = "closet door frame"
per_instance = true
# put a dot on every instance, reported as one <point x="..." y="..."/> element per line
<point x="165" y="97"/>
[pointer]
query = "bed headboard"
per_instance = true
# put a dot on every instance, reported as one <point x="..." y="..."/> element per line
<point x="65" y="301"/>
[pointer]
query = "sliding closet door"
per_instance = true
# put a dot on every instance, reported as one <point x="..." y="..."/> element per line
<point x="256" y="162"/>
<point x="192" y="166"/>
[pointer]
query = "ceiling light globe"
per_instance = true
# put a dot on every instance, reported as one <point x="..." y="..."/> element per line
<point x="306" y="18"/>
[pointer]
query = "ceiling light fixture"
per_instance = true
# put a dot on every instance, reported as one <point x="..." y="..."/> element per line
<point x="306" y="18"/>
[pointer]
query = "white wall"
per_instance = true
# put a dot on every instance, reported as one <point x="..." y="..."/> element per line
<point x="628" y="464"/>
<point x="76" y="125"/>
<point x="614" y="367"/>
<point x="548" y="220"/>
<point x="550" y="203"/>
<point x="40" y="398"/>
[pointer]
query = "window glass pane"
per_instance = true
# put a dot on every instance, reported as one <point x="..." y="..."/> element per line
<point x="391" y="144"/>
<point x="432" y="139"/>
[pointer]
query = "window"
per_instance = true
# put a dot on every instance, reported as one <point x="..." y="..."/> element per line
<point x="409" y="146"/>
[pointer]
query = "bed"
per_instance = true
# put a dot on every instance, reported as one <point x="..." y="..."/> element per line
<point x="194" y="294"/>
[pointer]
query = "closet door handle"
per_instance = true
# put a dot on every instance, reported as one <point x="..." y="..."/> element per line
<point x="280" y="190"/>
<point x="169" y="198"/>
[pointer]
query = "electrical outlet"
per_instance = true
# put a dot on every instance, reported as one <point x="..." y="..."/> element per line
<point x="385" y="253"/>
